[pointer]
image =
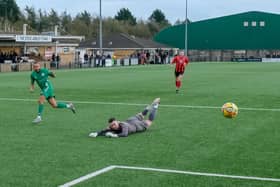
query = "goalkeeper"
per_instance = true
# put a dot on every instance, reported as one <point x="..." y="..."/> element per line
<point x="132" y="125"/>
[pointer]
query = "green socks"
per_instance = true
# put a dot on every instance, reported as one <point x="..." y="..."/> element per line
<point x="40" y="109"/>
<point x="61" y="105"/>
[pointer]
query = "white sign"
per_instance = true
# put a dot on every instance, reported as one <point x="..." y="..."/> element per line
<point x="270" y="59"/>
<point x="49" y="52"/>
<point x="33" y="38"/>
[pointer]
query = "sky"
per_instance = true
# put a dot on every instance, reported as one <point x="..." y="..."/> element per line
<point x="173" y="9"/>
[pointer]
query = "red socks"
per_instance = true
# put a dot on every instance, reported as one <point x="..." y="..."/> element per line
<point x="178" y="84"/>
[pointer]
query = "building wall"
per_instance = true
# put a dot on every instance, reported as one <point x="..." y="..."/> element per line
<point x="245" y="35"/>
<point x="67" y="54"/>
<point x="9" y="49"/>
<point x="39" y="52"/>
<point x="250" y="31"/>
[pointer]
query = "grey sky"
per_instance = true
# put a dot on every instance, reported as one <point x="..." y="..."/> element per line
<point x="173" y="9"/>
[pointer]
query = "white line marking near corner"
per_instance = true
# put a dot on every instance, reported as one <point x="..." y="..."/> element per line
<point x="109" y="168"/>
<point x="200" y="173"/>
<point x="138" y="104"/>
<point x="88" y="176"/>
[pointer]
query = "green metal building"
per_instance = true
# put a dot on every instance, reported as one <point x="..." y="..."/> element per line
<point x="249" y="35"/>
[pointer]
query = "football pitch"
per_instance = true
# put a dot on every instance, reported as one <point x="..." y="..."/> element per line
<point x="189" y="144"/>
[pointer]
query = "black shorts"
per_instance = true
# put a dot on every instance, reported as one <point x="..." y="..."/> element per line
<point x="177" y="74"/>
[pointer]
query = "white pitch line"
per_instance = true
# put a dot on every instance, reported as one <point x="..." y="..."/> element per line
<point x="200" y="174"/>
<point x="16" y="99"/>
<point x="139" y="104"/>
<point x="88" y="176"/>
<point x="109" y="168"/>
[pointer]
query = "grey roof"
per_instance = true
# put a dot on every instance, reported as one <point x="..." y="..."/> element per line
<point x="122" y="41"/>
<point x="150" y="43"/>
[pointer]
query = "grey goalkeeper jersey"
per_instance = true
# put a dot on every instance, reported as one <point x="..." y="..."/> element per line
<point x="132" y="125"/>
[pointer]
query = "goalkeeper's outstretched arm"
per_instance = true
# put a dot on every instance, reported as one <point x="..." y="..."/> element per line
<point x="100" y="133"/>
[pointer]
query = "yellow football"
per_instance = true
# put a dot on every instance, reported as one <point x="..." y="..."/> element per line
<point x="230" y="110"/>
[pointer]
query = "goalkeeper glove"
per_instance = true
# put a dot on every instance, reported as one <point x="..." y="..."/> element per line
<point x="111" y="135"/>
<point x="93" y="134"/>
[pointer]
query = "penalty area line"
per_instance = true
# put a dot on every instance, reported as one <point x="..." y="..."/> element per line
<point x="200" y="173"/>
<point x="139" y="104"/>
<point x="109" y="168"/>
<point x="88" y="176"/>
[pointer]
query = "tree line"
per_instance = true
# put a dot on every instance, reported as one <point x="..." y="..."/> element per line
<point x="84" y="23"/>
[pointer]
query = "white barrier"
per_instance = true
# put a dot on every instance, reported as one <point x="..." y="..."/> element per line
<point x="270" y="59"/>
<point x="133" y="61"/>
<point x="108" y="62"/>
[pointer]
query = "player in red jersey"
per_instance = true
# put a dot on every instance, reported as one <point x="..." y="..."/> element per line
<point x="181" y="62"/>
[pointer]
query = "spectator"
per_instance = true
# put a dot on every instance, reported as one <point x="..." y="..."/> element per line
<point x="57" y="61"/>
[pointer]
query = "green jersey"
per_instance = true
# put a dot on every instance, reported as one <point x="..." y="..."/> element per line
<point x="41" y="77"/>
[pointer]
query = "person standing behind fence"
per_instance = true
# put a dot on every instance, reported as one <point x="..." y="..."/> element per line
<point x="103" y="60"/>
<point x="181" y="62"/>
<point x="143" y="58"/>
<point x="57" y="61"/>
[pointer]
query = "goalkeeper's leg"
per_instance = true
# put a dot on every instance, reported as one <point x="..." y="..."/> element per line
<point x="153" y="111"/>
<point x="150" y="107"/>
<point x="146" y="110"/>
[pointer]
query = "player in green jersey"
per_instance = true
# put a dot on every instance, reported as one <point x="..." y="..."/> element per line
<point x="40" y="76"/>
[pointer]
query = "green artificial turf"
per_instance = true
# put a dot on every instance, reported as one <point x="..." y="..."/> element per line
<point x="188" y="134"/>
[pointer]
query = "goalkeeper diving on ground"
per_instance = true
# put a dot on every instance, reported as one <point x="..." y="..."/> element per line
<point x="134" y="124"/>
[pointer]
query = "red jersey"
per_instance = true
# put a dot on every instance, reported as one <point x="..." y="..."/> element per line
<point x="181" y="63"/>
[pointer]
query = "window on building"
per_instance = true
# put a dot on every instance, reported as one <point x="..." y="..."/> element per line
<point x="245" y="24"/>
<point x="262" y="23"/>
<point x="254" y="23"/>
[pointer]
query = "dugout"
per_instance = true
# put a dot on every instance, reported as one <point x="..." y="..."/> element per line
<point x="249" y="36"/>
